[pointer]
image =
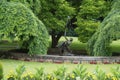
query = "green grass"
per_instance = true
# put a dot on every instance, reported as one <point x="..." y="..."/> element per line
<point x="10" y="65"/>
<point x="5" y="45"/>
<point x="115" y="46"/>
<point x="76" y="45"/>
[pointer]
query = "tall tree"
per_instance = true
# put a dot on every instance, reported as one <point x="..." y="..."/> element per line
<point x="108" y="31"/>
<point x="34" y="5"/>
<point x="90" y="15"/>
<point x="54" y="15"/>
<point x="16" y="20"/>
<point x="75" y="4"/>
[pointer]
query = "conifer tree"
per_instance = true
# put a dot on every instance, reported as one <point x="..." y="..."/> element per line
<point x="108" y="31"/>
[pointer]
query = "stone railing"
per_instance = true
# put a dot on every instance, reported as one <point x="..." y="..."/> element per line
<point x="66" y="59"/>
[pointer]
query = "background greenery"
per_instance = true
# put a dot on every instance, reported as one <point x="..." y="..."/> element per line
<point x="76" y="45"/>
<point x="16" y="20"/>
<point x="85" y="18"/>
<point x="108" y="31"/>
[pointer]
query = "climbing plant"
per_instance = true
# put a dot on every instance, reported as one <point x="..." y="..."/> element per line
<point x="108" y="31"/>
<point x="16" y="20"/>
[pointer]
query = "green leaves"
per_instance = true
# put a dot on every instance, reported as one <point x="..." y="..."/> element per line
<point x="34" y="5"/>
<point x="100" y="75"/>
<point x="80" y="71"/>
<point x="54" y="14"/>
<point x="39" y="74"/>
<point x="116" y="72"/>
<point x="1" y="71"/>
<point x="16" y="20"/>
<point x="60" y="73"/>
<point x="89" y="16"/>
<point x="108" y="31"/>
<point x="20" y="70"/>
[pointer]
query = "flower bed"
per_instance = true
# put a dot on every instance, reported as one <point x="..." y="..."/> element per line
<point x="79" y="73"/>
<point x="93" y="62"/>
<point x="118" y="62"/>
<point x="58" y="61"/>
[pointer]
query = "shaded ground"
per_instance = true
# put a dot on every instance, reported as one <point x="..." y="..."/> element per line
<point x="78" y="49"/>
<point x="56" y="51"/>
<point x="51" y="51"/>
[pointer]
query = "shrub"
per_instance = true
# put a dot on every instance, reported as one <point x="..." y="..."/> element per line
<point x="39" y="74"/>
<point x="116" y="73"/>
<point x="70" y="76"/>
<point x="20" y="70"/>
<point x="60" y="73"/>
<point x="79" y="73"/>
<point x="1" y="71"/>
<point x="18" y="75"/>
<point x="16" y="20"/>
<point x="109" y="77"/>
<point x="100" y="75"/>
<point x="28" y="76"/>
<point x="11" y="76"/>
<point x="90" y="76"/>
<point x="49" y="77"/>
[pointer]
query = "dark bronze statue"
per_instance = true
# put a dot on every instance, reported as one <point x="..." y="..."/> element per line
<point x="64" y="47"/>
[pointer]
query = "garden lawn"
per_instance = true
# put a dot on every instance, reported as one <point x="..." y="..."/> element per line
<point x="115" y="46"/>
<point x="10" y="65"/>
<point x="76" y="45"/>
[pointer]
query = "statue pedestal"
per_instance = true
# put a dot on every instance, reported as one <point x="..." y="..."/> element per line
<point x="67" y="54"/>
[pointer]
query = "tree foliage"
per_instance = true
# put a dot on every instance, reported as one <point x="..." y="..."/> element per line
<point x="108" y="31"/>
<point x="16" y="20"/>
<point x="90" y="15"/>
<point x="54" y="15"/>
<point x="34" y="5"/>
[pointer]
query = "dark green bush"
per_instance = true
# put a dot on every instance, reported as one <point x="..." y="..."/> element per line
<point x="16" y="20"/>
<point x="1" y="71"/>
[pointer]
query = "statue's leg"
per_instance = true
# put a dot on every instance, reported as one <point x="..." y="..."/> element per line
<point x="61" y="52"/>
<point x="69" y="52"/>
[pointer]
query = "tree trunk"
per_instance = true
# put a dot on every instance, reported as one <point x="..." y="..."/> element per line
<point x="54" y="41"/>
<point x="55" y="38"/>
